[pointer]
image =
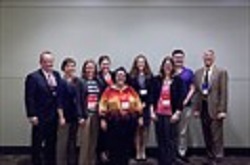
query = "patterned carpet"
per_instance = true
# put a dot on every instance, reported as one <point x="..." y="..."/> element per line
<point x="194" y="160"/>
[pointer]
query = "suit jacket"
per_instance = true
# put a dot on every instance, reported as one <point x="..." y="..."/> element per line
<point x="176" y="90"/>
<point x="40" y="100"/>
<point x="217" y="93"/>
<point x="133" y="81"/>
<point x="69" y="99"/>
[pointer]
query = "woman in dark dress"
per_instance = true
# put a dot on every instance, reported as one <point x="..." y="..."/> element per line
<point x="105" y="78"/>
<point x="141" y="80"/>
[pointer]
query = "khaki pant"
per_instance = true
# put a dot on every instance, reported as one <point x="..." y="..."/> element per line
<point x="183" y="130"/>
<point x="66" y="144"/>
<point x="88" y="141"/>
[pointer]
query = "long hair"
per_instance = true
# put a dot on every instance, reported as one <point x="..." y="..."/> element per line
<point x="84" y="67"/>
<point x="135" y="71"/>
<point x="162" y="72"/>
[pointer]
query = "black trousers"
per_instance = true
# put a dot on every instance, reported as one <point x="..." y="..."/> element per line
<point x="44" y="143"/>
<point x="71" y="144"/>
<point x="121" y="133"/>
<point x="166" y="136"/>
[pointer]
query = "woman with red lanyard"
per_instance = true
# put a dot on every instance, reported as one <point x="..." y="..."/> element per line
<point x="167" y="100"/>
<point x="121" y="112"/>
<point x="88" y="114"/>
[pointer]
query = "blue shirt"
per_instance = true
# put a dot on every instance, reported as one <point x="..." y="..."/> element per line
<point x="187" y="77"/>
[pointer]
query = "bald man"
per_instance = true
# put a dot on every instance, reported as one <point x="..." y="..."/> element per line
<point x="211" y="104"/>
<point x="42" y="104"/>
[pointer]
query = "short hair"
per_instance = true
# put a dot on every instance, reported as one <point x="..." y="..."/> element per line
<point x="123" y="70"/>
<point x="210" y="51"/>
<point x="167" y="58"/>
<point x="66" y="61"/>
<point x="177" y="51"/>
<point x="43" y="53"/>
<point x="102" y="58"/>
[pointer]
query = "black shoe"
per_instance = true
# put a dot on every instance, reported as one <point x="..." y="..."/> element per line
<point x="184" y="159"/>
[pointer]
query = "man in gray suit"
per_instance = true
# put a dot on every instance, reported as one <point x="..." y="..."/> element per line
<point x="211" y="104"/>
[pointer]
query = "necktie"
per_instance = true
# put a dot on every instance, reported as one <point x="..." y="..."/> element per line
<point x="50" y="80"/>
<point x="205" y="85"/>
<point x="206" y="81"/>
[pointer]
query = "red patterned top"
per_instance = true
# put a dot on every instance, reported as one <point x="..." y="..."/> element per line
<point x="119" y="101"/>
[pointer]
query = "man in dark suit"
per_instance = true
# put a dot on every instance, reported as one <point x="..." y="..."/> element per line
<point x="211" y="104"/>
<point x="42" y="104"/>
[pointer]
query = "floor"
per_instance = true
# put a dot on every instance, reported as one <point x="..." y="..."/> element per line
<point x="194" y="160"/>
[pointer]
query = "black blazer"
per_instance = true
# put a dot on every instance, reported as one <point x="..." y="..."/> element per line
<point x="176" y="89"/>
<point x="133" y="81"/>
<point x="40" y="100"/>
<point x="69" y="100"/>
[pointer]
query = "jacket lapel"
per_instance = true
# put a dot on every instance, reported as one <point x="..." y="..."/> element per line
<point x="213" y="76"/>
<point x="200" y="78"/>
<point x="44" y="80"/>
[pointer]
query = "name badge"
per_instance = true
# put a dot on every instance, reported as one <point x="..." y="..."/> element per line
<point x="143" y="92"/>
<point x="54" y="93"/>
<point x="125" y="105"/>
<point x="166" y="103"/>
<point x="92" y="102"/>
<point x="204" y="89"/>
<point x="92" y="105"/>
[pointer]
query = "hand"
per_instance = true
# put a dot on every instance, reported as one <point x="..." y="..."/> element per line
<point x="82" y="122"/>
<point x="62" y="121"/>
<point x="104" y="125"/>
<point x="34" y="120"/>
<point x="175" y="117"/>
<point x="196" y="114"/>
<point x="140" y="121"/>
<point x="153" y="117"/>
<point x="221" y="115"/>
<point x="185" y="102"/>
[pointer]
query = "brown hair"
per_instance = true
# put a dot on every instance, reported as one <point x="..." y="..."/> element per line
<point x="102" y="58"/>
<point x="134" y="70"/>
<point x="66" y="61"/>
<point x="84" y="67"/>
<point x="167" y="58"/>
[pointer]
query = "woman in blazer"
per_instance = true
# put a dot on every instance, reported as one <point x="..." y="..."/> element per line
<point x="67" y="130"/>
<point x="167" y="101"/>
<point x="105" y="77"/>
<point x="141" y="79"/>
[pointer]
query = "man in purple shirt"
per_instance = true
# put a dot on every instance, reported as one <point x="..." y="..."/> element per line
<point x="187" y="76"/>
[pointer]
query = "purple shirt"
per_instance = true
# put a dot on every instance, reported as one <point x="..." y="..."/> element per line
<point x="187" y="77"/>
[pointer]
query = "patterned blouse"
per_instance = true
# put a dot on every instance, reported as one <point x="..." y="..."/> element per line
<point x="120" y="101"/>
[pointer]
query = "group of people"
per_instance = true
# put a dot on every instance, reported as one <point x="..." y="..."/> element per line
<point x="108" y="113"/>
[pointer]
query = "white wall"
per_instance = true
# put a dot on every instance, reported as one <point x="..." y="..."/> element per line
<point x="122" y="32"/>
